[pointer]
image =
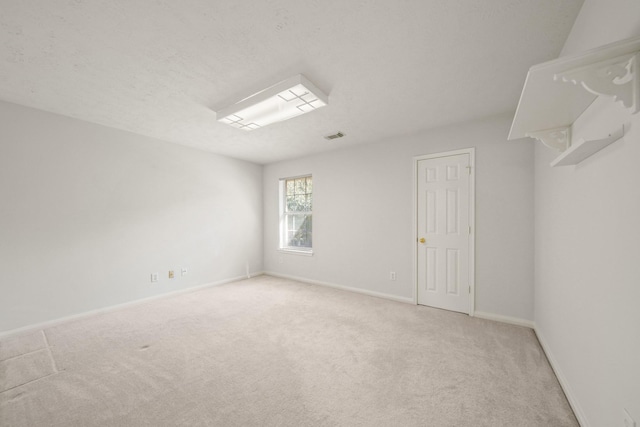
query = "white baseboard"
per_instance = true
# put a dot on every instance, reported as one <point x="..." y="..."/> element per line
<point x="568" y="392"/>
<point x="60" y="320"/>
<point x="505" y="319"/>
<point x="344" y="288"/>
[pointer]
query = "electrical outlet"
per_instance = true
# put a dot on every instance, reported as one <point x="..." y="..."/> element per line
<point x="183" y="272"/>
<point x="171" y="274"/>
<point x="392" y="275"/>
<point x="154" y="277"/>
<point x="628" y="421"/>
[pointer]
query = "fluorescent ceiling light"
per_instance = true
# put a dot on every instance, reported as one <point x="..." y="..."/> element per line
<point x="282" y="101"/>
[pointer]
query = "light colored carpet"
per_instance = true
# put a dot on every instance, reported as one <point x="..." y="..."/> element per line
<point x="268" y="351"/>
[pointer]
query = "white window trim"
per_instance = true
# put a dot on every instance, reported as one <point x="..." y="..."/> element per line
<point x="296" y="251"/>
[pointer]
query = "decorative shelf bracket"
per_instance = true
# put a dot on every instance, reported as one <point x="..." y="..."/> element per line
<point x="558" y="138"/>
<point x="549" y="108"/>
<point x="618" y="77"/>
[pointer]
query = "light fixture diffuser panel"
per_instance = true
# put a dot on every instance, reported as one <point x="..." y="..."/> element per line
<point x="285" y="100"/>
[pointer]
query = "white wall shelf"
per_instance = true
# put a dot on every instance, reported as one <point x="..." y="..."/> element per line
<point x="582" y="149"/>
<point x="557" y="92"/>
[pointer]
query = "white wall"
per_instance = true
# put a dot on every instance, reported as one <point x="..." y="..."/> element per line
<point x="362" y="219"/>
<point x="88" y="212"/>
<point x="587" y="275"/>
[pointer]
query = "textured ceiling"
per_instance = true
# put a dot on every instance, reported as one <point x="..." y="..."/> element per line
<point x="162" y="67"/>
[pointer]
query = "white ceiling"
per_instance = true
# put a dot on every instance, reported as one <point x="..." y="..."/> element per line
<point x="162" y="67"/>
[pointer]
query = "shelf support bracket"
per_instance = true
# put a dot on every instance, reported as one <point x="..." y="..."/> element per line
<point x="558" y="138"/>
<point x="617" y="77"/>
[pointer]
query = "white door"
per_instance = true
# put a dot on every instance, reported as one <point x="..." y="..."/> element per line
<point x="444" y="232"/>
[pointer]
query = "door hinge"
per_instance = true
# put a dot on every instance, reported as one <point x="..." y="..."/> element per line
<point x="469" y="289"/>
<point x="469" y="229"/>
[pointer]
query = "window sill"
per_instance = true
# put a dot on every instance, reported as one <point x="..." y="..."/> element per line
<point x="296" y="251"/>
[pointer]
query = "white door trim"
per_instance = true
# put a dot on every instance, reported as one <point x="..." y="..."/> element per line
<point x="472" y="220"/>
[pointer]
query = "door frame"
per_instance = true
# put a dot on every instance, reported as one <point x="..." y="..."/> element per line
<point x="472" y="220"/>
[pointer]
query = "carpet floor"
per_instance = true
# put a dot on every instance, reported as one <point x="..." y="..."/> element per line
<point x="273" y="352"/>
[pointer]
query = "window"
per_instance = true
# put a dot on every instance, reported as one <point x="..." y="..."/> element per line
<point x="296" y="200"/>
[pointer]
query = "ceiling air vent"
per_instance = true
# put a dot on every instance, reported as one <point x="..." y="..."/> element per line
<point x="334" y="136"/>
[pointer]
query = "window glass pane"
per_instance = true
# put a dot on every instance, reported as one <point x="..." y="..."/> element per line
<point x="298" y="203"/>
<point x="301" y="186"/>
<point x="309" y="185"/>
<point x="291" y="204"/>
<point x="301" y="202"/>
<point x="299" y="233"/>
<point x="290" y="187"/>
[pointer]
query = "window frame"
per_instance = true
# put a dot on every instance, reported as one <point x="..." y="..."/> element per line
<point x="284" y="215"/>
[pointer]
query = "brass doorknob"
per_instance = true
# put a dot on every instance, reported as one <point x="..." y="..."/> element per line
<point x="422" y="240"/>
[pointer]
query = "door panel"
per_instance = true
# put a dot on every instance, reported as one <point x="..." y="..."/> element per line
<point x="453" y="282"/>
<point x="431" y="265"/>
<point x="453" y="215"/>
